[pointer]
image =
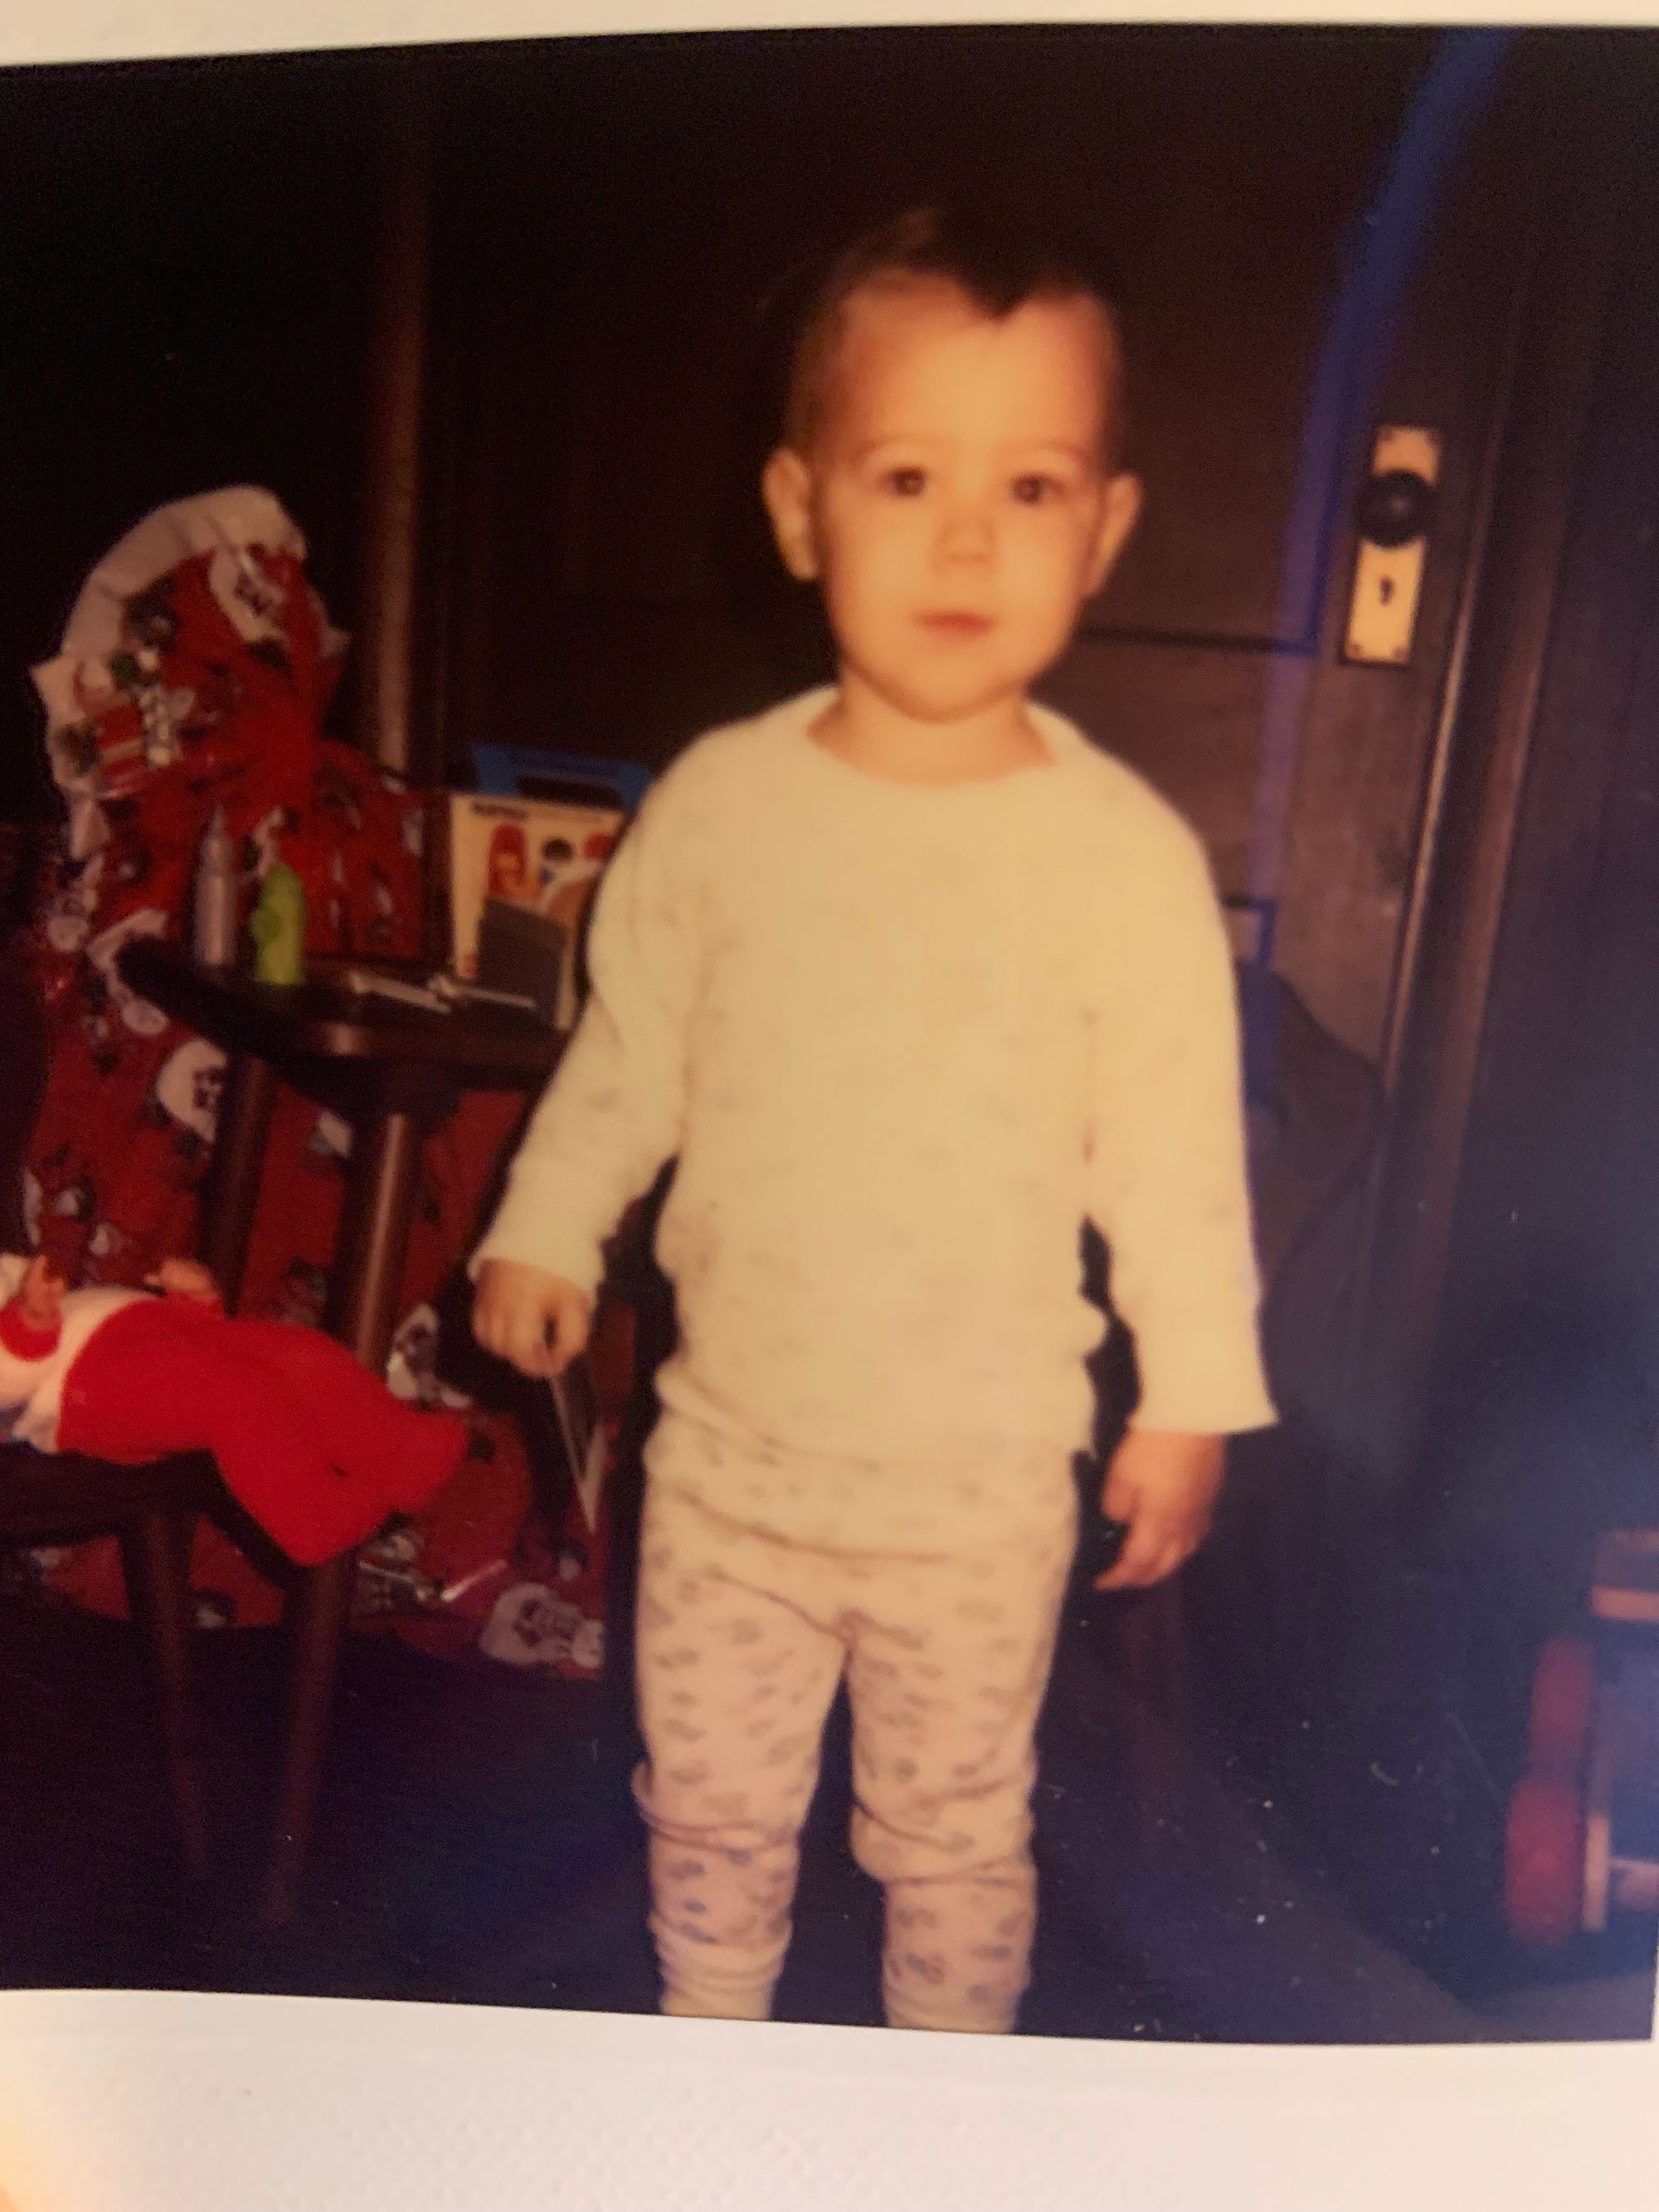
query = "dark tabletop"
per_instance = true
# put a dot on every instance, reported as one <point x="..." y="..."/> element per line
<point x="483" y="1046"/>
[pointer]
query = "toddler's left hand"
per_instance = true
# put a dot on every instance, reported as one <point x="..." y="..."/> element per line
<point x="1164" y="1486"/>
<point x="186" y="1279"/>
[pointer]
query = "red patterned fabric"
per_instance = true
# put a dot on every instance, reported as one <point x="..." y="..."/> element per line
<point x="196" y="671"/>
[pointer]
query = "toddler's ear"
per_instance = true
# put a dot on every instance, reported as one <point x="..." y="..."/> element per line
<point x="786" y="488"/>
<point x="1119" y="512"/>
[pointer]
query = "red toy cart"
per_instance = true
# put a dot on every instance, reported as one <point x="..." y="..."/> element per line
<point x="1582" y="1835"/>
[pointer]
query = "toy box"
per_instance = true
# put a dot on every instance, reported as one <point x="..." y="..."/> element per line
<point x="539" y="857"/>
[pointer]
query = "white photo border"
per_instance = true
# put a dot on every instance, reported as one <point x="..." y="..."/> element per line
<point x="124" y="2101"/>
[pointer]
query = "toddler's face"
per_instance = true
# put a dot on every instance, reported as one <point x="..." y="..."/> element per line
<point x="954" y="506"/>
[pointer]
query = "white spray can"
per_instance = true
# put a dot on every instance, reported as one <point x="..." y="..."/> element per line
<point x="214" y="917"/>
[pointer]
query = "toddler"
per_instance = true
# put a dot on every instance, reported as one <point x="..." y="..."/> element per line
<point x="911" y="981"/>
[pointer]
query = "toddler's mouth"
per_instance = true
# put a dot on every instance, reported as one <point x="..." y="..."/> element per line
<point x="947" y="623"/>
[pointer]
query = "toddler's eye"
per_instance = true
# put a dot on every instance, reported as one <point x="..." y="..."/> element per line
<point x="1036" y="491"/>
<point x="906" y="484"/>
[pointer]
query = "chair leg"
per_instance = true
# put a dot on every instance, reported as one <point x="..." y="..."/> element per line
<point x="318" y="1611"/>
<point x="155" y="1553"/>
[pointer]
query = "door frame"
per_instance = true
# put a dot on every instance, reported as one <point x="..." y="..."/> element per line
<point x="1585" y="153"/>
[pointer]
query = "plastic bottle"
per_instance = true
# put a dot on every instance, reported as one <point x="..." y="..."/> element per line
<point x="213" y="920"/>
<point x="278" y="927"/>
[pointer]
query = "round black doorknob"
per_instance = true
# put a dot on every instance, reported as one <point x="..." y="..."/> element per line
<point x="1395" y="507"/>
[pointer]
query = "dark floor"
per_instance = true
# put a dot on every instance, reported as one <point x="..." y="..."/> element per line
<point x="479" y="1843"/>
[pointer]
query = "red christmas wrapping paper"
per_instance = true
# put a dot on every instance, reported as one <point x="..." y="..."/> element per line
<point x="195" y="672"/>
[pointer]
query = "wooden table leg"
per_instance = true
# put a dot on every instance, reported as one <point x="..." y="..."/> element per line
<point x="231" y="1195"/>
<point x="155" y="1553"/>
<point x="362" y="1313"/>
<point x="362" y="1303"/>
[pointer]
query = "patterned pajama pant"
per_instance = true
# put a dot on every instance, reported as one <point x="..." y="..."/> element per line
<point x="944" y="1628"/>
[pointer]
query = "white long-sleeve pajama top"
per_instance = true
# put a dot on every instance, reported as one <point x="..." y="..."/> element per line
<point x="903" y="1039"/>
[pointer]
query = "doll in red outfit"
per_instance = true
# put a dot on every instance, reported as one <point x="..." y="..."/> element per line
<point x="311" y="1443"/>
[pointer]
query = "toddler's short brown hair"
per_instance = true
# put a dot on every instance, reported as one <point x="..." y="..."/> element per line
<point x="996" y="258"/>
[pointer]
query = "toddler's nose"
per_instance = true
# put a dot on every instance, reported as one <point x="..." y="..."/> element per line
<point x="967" y="533"/>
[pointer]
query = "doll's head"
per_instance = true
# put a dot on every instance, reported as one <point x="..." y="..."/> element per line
<point x="38" y="1301"/>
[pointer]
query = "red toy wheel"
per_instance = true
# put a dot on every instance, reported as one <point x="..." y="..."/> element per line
<point x="1544" y="1861"/>
<point x="1563" y="1705"/>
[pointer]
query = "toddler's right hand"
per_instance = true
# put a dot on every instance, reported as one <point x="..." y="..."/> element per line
<point x="537" y="1323"/>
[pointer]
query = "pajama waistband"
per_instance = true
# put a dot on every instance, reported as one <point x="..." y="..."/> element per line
<point x="919" y="1509"/>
